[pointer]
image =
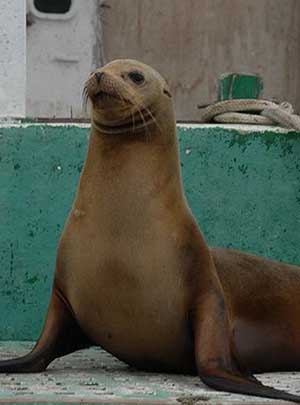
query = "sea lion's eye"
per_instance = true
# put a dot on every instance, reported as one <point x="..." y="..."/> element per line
<point x="136" y="77"/>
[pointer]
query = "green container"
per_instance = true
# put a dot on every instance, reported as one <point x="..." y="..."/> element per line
<point x="239" y="86"/>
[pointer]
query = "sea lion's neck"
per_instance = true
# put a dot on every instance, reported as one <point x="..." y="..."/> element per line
<point x="121" y="173"/>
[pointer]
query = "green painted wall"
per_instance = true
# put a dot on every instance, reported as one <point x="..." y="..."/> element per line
<point x="244" y="189"/>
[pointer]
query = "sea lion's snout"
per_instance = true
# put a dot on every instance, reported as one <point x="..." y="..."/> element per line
<point x="98" y="76"/>
<point x="101" y="87"/>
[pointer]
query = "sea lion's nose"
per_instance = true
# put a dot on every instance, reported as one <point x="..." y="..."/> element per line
<point x="98" y="76"/>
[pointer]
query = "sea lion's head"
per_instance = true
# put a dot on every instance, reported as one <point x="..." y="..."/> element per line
<point x="128" y="97"/>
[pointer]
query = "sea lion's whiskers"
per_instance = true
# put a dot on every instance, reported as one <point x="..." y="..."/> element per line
<point x="146" y="109"/>
<point x="153" y="118"/>
<point x="119" y="93"/>
<point x="116" y="90"/>
<point x="119" y="87"/>
<point x="84" y="99"/>
<point x="130" y="96"/>
<point x="133" y="121"/>
<point x="122" y="99"/>
<point x="139" y="109"/>
<point x="141" y="115"/>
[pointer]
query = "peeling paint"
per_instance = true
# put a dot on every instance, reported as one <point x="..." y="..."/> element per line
<point x="32" y="280"/>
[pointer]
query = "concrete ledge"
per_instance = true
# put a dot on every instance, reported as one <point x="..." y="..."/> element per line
<point x="93" y="376"/>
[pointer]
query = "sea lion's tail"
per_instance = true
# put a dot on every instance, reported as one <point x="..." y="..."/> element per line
<point x="248" y="387"/>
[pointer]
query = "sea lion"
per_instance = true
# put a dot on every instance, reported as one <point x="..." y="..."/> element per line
<point x="133" y="271"/>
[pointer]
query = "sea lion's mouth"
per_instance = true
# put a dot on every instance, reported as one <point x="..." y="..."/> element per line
<point x="139" y="120"/>
<point x="102" y="95"/>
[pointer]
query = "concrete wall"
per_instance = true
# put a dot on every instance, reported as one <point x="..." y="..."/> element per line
<point x="12" y="58"/>
<point x="243" y="186"/>
<point x="192" y="42"/>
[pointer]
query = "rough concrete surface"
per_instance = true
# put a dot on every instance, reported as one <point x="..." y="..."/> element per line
<point x="94" y="376"/>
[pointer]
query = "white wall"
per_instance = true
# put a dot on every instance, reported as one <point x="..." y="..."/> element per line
<point x="12" y="58"/>
<point x="60" y="55"/>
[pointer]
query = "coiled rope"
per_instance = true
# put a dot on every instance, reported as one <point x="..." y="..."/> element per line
<point x="251" y="111"/>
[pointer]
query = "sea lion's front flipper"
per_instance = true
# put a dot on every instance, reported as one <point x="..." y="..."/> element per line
<point x="214" y="352"/>
<point x="61" y="335"/>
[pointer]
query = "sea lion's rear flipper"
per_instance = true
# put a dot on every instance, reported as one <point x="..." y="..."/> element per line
<point x="61" y="335"/>
<point x="216" y="361"/>
<point x="231" y="383"/>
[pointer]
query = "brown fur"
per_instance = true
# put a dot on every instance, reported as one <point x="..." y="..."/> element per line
<point x="134" y="274"/>
<point x="265" y="309"/>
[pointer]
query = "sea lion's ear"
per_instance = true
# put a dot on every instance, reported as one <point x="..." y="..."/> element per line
<point x="166" y="88"/>
<point x="167" y="92"/>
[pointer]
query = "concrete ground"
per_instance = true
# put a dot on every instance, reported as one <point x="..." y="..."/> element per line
<point x="93" y="376"/>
